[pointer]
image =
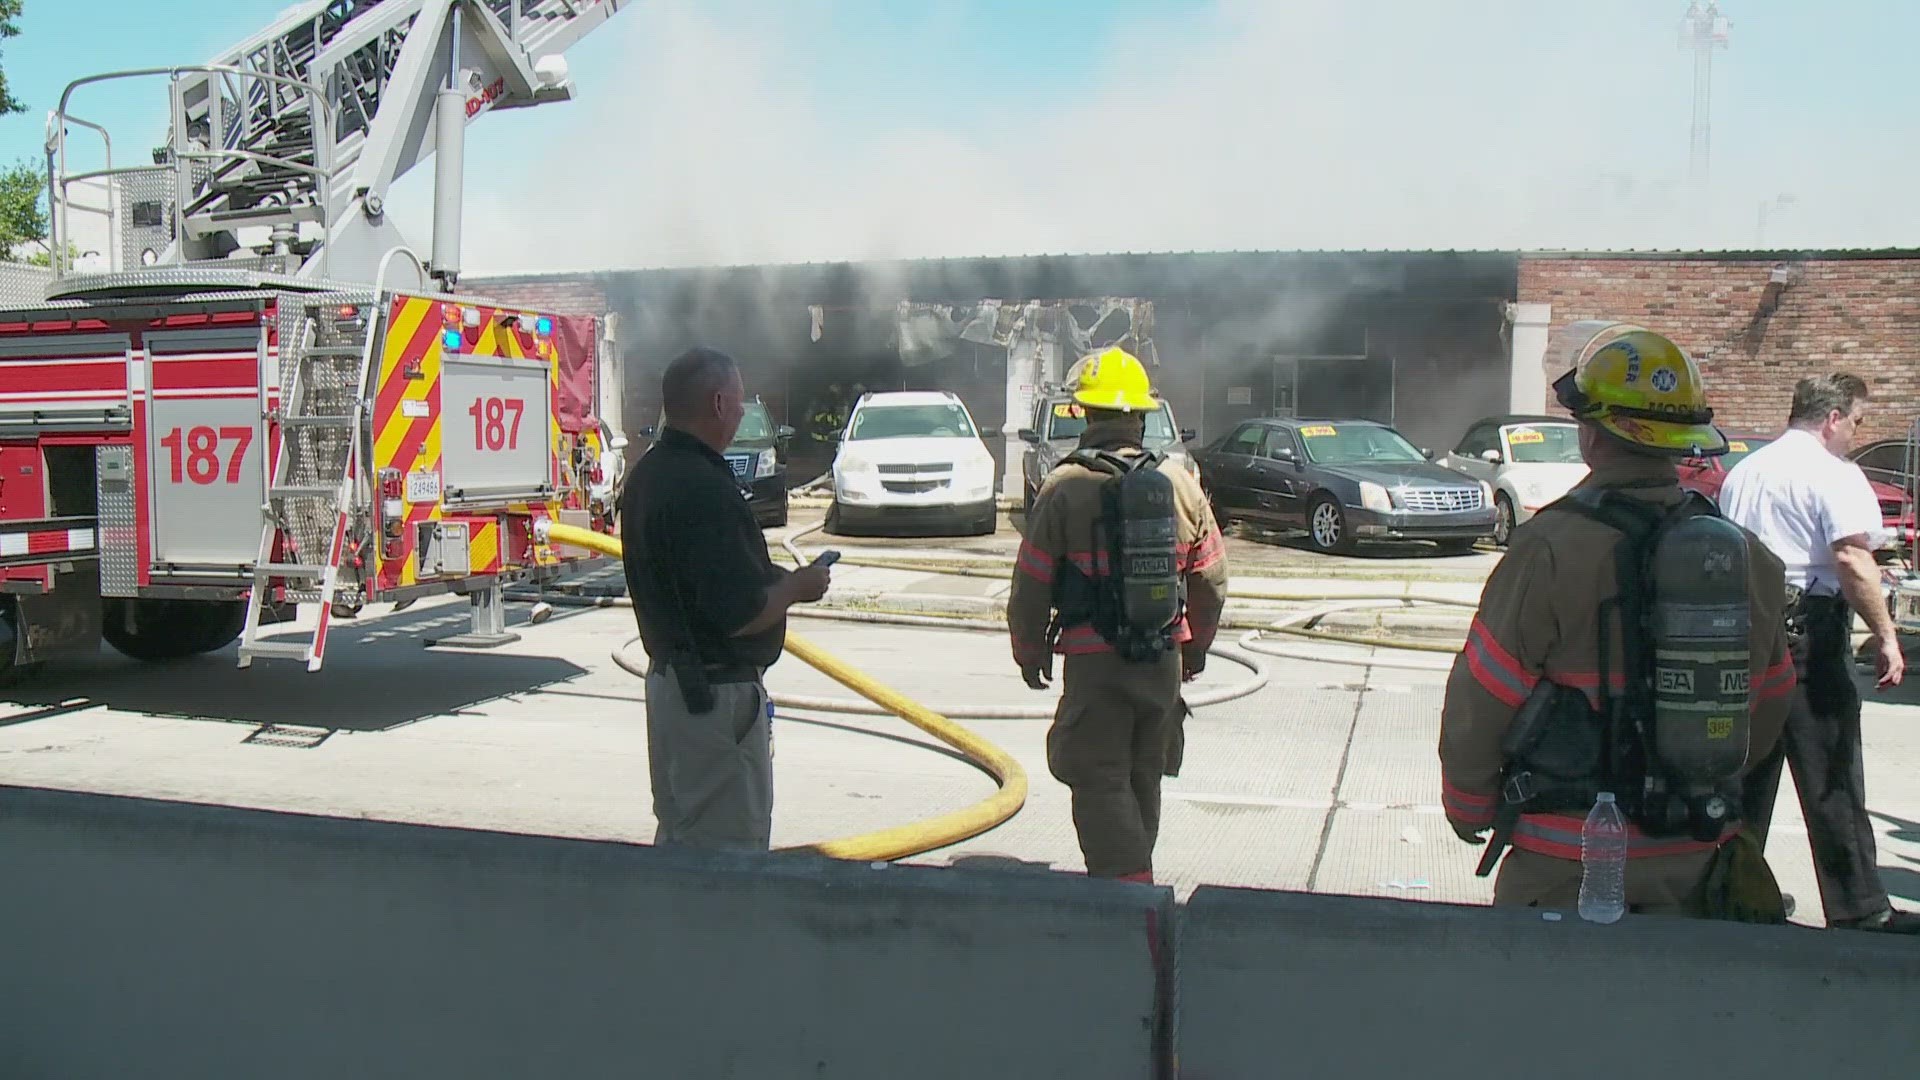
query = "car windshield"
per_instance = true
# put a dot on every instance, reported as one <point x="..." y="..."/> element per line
<point x="1739" y="448"/>
<point x="910" y="422"/>
<point x="756" y="425"/>
<point x="1066" y="420"/>
<point x="1544" y="444"/>
<point x="1336" y="444"/>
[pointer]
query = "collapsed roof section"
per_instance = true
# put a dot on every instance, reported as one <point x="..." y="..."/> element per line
<point x="928" y="333"/>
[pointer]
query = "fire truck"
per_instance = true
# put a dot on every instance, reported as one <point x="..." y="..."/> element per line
<point x="258" y="396"/>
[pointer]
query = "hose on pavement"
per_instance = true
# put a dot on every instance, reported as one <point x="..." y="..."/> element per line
<point x="900" y="841"/>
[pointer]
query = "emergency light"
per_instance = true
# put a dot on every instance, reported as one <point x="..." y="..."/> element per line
<point x="451" y="339"/>
<point x="543" y="326"/>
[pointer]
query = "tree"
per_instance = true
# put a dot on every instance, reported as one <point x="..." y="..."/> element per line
<point x="9" y="11"/>
<point x="22" y="220"/>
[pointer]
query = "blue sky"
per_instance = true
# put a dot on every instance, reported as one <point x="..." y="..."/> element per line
<point x="793" y="130"/>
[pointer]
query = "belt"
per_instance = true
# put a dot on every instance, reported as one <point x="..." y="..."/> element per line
<point x="721" y="673"/>
<point x="733" y="673"/>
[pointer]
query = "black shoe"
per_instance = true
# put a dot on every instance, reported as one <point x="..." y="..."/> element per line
<point x="1886" y="922"/>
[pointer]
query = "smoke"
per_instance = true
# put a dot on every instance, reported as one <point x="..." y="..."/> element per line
<point x="1250" y="125"/>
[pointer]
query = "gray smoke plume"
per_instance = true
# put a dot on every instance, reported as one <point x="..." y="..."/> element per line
<point x="1397" y="124"/>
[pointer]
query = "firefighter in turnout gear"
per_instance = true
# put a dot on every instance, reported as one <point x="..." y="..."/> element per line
<point x="1123" y="573"/>
<point x="1629" y="641"/>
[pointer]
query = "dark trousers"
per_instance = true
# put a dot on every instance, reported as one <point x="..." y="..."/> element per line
<point x="1822" y="745"/>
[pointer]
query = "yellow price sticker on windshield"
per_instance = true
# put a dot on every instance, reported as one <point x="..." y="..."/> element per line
<point x="1737" y="447"/>
<point x="1317" y="431"/>
<point x="1520" y="436"/>
<point x="1069" y="409"/>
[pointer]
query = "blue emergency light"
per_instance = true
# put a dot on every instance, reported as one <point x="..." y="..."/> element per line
<point x="451" y="339"/>
<point x="544" y="325"/>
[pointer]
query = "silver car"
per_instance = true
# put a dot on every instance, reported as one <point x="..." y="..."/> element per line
<point x="1055" y="431"/>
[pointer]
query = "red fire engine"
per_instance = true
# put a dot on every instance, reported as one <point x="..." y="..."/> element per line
<point x="238" y="412"/>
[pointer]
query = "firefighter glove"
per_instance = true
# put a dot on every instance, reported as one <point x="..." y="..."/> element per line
<point x="1039" y="674"/>
<point x="1472" y="834"/>
<point x="1192" y="663"/>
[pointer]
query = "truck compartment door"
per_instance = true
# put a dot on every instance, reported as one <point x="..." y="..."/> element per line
<point x="206" y="451"/>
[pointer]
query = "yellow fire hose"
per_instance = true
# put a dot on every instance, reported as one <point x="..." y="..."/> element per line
<point x="900" y="841"/>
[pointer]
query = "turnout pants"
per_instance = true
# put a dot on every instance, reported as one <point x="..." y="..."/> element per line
<point x="1109" y="745"/>
<point x="712" y="772"/>
<point x="1822" y="745"/>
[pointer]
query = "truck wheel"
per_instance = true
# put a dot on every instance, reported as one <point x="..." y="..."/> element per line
<point x="1327" y="526"/>
<point x="171" y="629"/>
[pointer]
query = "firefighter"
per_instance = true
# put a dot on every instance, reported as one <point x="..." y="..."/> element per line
<point x="1130" y="630"/>
<point x="1554" y="616"/>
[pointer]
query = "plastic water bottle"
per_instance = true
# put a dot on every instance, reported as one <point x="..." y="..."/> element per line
<point x="1603" y="862"/>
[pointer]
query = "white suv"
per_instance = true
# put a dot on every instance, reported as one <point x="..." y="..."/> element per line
<point x="912" y="459"/>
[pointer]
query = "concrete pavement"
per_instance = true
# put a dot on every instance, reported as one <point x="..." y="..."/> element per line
<point x="1323" y="781"/>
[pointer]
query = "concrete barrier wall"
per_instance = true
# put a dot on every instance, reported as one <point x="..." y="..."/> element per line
<point x="164" y="941"/>
<point x="1292" y="984"/>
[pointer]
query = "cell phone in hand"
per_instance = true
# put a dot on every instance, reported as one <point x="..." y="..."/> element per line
<point x="826" y="559"/>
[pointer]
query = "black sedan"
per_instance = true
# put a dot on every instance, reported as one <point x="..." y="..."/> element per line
<point x="1345" y="482"/>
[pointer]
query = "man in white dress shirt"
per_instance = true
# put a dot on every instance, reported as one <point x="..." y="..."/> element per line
<point x="1815" y="510"/>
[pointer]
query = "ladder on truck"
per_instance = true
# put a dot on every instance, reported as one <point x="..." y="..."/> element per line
<point x="299" y="132"/>
<point x="314" y="491"/>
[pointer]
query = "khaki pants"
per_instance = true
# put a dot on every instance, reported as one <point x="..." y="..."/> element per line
<point x="712" y="773"/>
<point x="1657" y="885"/>
<point x="1109" y="744"/>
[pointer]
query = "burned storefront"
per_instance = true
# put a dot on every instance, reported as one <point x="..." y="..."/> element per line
<point x="1414" y="339"/>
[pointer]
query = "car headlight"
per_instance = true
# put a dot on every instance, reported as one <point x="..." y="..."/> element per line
<point x="1375" y="497"/>
<point x="854" y="466"/>
<point x="1486" y="493"/>
<point x="767" y="464"/>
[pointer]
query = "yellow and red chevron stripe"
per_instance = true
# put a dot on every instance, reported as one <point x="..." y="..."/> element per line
<point x="407" y="422"/>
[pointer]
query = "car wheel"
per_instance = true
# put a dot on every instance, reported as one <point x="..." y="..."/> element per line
<point x="832" y="524"/>
<point x="1502" y="519"/>
<point x="1327" y="526"/>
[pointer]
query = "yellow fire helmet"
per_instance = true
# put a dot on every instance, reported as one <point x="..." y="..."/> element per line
<point x="1114" y="379"/>
<point x="1639" y="387"/>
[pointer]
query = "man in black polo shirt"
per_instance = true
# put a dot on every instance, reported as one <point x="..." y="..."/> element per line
<point x="712" y="610"/>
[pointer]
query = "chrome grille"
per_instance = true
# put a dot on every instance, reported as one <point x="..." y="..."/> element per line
<point x="922" y="467"/>
<point x="913" y="487"/>
<point x="740" y="464"/>
<point x="1446" y="500"/>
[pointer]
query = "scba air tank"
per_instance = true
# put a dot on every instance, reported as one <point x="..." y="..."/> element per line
<point x="1150" y="594"/>
<point x="1701" y="630"/>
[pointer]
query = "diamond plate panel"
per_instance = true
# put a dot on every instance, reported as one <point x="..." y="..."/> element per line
<point x="119" y="535"/>
<point x="149" y="191"/>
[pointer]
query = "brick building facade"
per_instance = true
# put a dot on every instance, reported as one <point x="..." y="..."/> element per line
<point x="1755" y="322"/>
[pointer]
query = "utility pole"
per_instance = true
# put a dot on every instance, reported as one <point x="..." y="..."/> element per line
<point x="1702" y="30"/>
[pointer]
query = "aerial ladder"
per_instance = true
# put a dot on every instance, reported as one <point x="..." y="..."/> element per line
<point x="254" y="310"/>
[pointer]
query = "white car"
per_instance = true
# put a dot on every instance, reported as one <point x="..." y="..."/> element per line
<point x="912" y="459"/>
<point x="1529" y="460"/>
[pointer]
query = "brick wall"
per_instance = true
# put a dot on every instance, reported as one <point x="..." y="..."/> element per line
<point x="561" y="295"/>
<point x="1859" y="315"/>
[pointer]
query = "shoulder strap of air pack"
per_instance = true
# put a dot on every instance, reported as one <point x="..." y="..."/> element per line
<point x="1108" y="461"/>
